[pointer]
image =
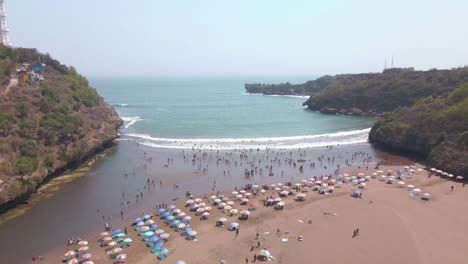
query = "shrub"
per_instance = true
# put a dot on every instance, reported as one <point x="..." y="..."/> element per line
<point x="26" y="165"/>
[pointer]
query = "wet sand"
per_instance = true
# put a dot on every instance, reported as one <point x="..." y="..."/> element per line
<point x="81" y="207"/>
<point x="394" y="227"/>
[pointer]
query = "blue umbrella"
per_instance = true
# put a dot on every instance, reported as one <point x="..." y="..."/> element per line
<point x="153" y="238"/>
<point x="164" y="251"/>
<point x="146" y="216"/>
<point x="159" y="244"/>
<point x="166" y="214"/>
<point x="187" y="229"/>
<point x="170" y="217"/>
<point x="176" y="222"/>
<point x="127" y="240"/>
<point x="156" y="250"/>
<point x="153" y="226"/>
<point x="137" y="219"/>
<point x="171" y="206"/>
<point x="161" y="210"/>
<point x="140" y="224"/>
<point x="117" y="230"/>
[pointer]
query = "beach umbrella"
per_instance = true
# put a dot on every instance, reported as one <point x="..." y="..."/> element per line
<point x="159" y="244"/>
<point x="149" y="222"/>
<point x="175" y="222"/>
<point x="70" y="253"/>
<point x="83" y="248"/>
<point x="242" y="191"/>
<point x="127" y="240"/>
<point x="161" y="210"/>
<point x="368" y="177"/>
<point x="190" y="202"/>
<point x="181" y="225"/>
<point x="72" y="261"/>
<point x="165" y="214"/>
<point x="198" y="200"/>
<point x="165" y="235"/>
<point x="360" y="174"/>
<point x="171" y="207"/>
<point x="233" y="225"/>
<point x="284" y="192"/>
<point x="270" y="200"/>
<point x="200" y="210"/>
<point x="164" y="251"/>
<point x="153" y="238"/>
<point x="170" y="217"/>
<point x="88" y="262"/>
<point x="230" y="203"/>
<point x="115" y="250"/>
<point x="255" y="186"/>
<point x="426" y="196"/>
<point x="107" y="239"/>
<point x="227" y="207"/>
<point x="121" y="256"/>
<point x="235" y="192"/>
<point x="195" y="206"/>
<point x="207" y="208"/>
<point x="245" y="200"/>
<point x="140" y="224"/>
<point x="247" y="194"/>
<point x="217" y="200"/>
<point x="153" y="226"/>
<point x="202" y="204"/>
<point x="213" y="197"/>
<point x="104" y="234"/>
<point x="181" y="214"/>
<point x="233" y="211"/>
<point x="459" y="177"/>
<point x="222" y="219"/>
<point x="176" y="211"/>
<point x="239" y="196"/>
<point x="112" y="243"/>
<point x="277" y="189"/>
<point x="301" y="195"/>
<point x="147" y="216"/>
<point x="180" y="262"/>
<point x="87" y="256"/>
<point x="224" y="199"/>
<point x="117" y="230"/>
<point x="278" y="199"/>
<point x="416" y="190"/>
<point x="273" y="185"/>
<point x="187" y="229"/>
<point x="245" y="212"/>
<point x="285" y="187"/>
<point x="410" y="186"/>
<point x="205" y="214"/>
<point x="159" y="231"/>
<point x="144" y="228"/>
<point x="262" y="191"/>
<point x="147" y="233"/>
<point x="187" y="218"/>
<point x="83" y="243"/>
<point x="264" y="253"/>
<point x="138" y="219"/>
<point x="281" y="203"/>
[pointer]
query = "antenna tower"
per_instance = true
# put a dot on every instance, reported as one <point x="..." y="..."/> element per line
<point x="4" y="32"/>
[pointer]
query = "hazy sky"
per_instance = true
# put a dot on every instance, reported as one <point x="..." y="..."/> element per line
<point x="242" y="37"/>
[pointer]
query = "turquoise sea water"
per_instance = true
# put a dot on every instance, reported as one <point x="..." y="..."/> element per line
<point x="217" y="113"/>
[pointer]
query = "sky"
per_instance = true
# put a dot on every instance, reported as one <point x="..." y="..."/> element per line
<point x="242" y="37"/>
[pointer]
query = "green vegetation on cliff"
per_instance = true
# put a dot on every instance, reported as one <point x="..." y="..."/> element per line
<point x="46" y="125"/>
<point x="435" y="127"/>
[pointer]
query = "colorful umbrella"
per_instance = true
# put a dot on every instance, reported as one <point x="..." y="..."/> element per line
<point x="83" y="243"/>
<point x="121" y="256"/>
<point x="70" y="253"/>
<point x="104" y="234"/>
<point x="87" y="256"/>
<point x="117" y="230"/>
<point x="165" y="235"/>
<point x="72" y="261"/>
<point x="84" y="248"/>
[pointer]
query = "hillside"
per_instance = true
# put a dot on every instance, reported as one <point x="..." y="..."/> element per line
<point x="50" y="118"/>
<point x="369" y="94"/>
<point x="436" y="127"/>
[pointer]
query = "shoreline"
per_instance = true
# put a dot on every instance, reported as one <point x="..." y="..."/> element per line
<point x="263" y="219"/>
<point x="53" y="182"/>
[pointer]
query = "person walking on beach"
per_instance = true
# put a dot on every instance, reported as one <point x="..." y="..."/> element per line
<point x="237" y="232"/>
<point x="246" y="260"/>
<point x="255" y="258"/>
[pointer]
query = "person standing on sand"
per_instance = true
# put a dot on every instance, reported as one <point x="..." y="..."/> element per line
<point x="237" y="232"/>
<point x="246" y="260"/>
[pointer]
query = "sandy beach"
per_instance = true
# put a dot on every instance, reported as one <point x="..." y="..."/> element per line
<point x="394" y="227"/>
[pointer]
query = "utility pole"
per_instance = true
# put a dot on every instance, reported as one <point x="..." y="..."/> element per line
<point x="4" y="32"/>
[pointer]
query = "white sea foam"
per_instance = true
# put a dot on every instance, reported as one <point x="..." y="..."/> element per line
<point x="130" y="120"/>
<point x="293" y="142"/>
<point x="120" y="105"/>
<point x="276" y="95"/>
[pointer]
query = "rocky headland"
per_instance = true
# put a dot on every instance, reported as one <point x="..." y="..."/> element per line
<point x="50" y="120"/>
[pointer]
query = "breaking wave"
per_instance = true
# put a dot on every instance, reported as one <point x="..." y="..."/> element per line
<point x="293" y="142"/>
<point x="129" y="121"/>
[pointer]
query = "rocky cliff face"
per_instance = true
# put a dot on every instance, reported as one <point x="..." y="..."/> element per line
<point x="435" y="127"/>
<point x="304" y="89"/>
<point x="46" y="126"/>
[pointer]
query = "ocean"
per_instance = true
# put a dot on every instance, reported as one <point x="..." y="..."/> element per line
<point x="217" y="113"/>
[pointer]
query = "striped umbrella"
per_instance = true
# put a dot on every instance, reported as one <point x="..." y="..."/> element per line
<point x="73" y="261"/>
<point x="84" y="248"/>
<point x="70" y="253"/>
<point x="121" y="256"/>
<point x="83" y="243"/>
<point x="87" y="256"/>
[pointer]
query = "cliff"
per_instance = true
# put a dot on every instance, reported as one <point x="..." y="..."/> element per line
<point x="436" y="127"/>
<point x="50" y="118"/>
<point x="307" y="88"/>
